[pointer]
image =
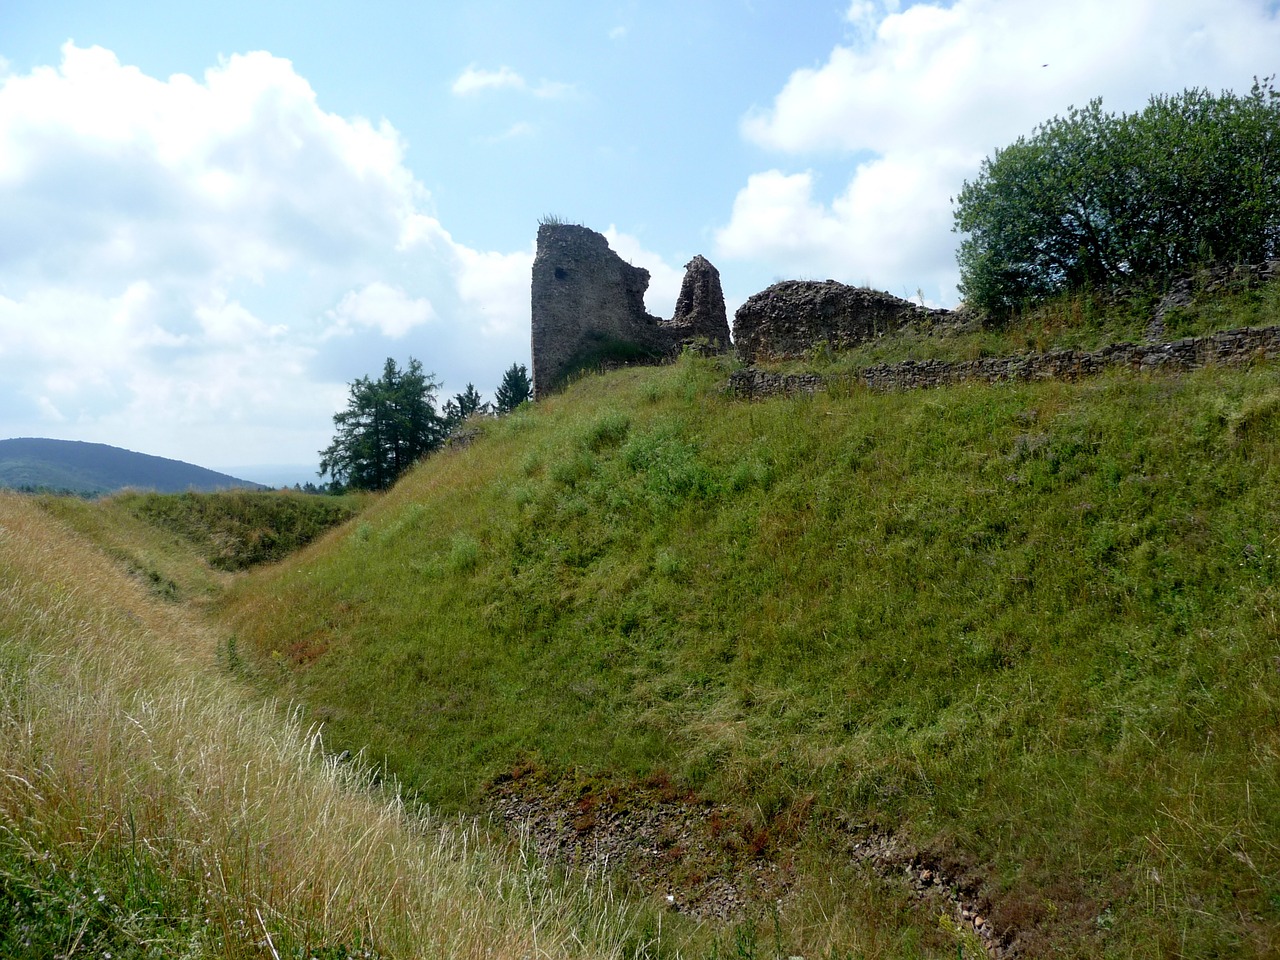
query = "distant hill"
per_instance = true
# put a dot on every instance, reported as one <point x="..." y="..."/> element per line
<point x="91" y="468"/>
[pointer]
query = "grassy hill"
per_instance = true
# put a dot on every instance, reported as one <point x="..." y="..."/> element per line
<point x="94" y="468"/>
<point x="1029" y="631"/>
<point x="840" y="675"/>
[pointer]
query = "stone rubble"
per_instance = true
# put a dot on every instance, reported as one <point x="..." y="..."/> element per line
<point x="1212" y="280"/>
<point x="645" y="843"/>
<point x="1228" y="348"/>
<point x="793" y="317"/>
<point x="890" y="856"/>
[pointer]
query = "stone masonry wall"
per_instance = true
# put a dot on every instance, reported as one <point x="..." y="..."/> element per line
<point x="700" y="312"/>
<point x="788" y="319"/>
<point x="1231" y="347"/>
<point x="588" y="308"/>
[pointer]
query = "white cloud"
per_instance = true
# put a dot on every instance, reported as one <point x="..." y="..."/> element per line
<point x="494" y="287"/>
<point x="475" y="80"/>
<point x="552" y="89"/>
<point x="618" y="33"/>
<point x="380" y="307"/>
<point x="975" y="70"/>
<point x="177" y="255"/>
<point x="664" y="279"/>
<point x="228" y="323"/>
<point x="922" y="94"/>
<point x="517" y="131"/>
<point x="876" y="232"/>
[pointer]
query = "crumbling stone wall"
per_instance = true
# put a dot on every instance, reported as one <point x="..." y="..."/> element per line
<point x="588" y="308"/>
<point x="1219" y="278"/>
<point x="700" y="312"/>
<point x="1228" y="348"/>
<point x="790" y="318"/>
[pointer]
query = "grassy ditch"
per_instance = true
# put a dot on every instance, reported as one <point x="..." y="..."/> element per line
<point x="236" y="529"/>
<point x="1034" y="628"/>
<point x="182" y="546"/>
<point x="147" y="809"/>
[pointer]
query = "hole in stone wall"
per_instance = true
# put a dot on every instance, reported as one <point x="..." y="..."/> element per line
<point x="562" y="273"/>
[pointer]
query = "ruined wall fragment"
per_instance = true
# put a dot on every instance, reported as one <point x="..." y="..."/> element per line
<point x="587" y="308"/>
<point x="790" y="318"/>
<point x="700" y="313"/>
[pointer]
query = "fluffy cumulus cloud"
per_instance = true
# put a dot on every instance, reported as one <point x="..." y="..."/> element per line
<point x="196" y="267"/>
<point x="664" y="279"/>
<point x="381" y="307"/>
<point x="920" y="93"/>
<point x="495" y="290"/>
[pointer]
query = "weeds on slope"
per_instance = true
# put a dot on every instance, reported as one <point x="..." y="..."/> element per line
<point x="1081" y="320"/>
<point x="1032" y="626"/>
<point x="147" y="811"/>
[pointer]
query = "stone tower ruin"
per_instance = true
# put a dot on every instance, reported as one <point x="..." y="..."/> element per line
<point x="588" y="308"/>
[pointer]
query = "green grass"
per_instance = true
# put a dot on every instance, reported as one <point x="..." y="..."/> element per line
<point x="1033" y="627"/>
<point x="182" y="544"/>
<point x="236" y="529"/>
<point x="150" y="807"/>
<point x="1086" y="320"/>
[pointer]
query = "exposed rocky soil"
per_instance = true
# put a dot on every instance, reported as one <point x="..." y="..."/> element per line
<point x="705" y="862"/>
<point x="690" y="853"/>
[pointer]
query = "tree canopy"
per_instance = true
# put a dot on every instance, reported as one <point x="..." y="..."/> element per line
<point x="389" y="423"/>
<point x="463" y="405"/>
<point x="1095" y="197"/>
<point x="514" y="389"/>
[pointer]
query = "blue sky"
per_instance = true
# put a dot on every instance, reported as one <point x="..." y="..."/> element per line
<point x="215" y="216"/>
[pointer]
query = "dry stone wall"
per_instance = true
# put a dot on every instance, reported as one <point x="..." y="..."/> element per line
<point x="788" y="319"/>
<point x="700" y="312"/>
<point x="1218" y="279"/>
<point x="1231" y="347"/>
<point x="587" y="308"/>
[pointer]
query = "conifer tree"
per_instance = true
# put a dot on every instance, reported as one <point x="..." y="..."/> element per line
<point x="388" y="425"/>
<point x="514" y="390"/>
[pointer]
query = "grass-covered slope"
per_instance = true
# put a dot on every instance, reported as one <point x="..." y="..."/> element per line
<point x="1034" y="628"/>
<point x="150" y="809"/>
<point x="182" y="544"/>
<point x="1203" y="303"/>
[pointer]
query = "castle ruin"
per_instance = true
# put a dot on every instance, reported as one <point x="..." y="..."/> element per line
<point x="588" y="308"/>
<point x="788" y="319"/>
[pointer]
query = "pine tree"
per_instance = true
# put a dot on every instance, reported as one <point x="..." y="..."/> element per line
<point x="388" y="425"/>
<point x="514" y="390"/>
<point x="463" y="405"/>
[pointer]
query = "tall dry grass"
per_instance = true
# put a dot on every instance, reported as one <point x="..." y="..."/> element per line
<point x="123" y="754"/>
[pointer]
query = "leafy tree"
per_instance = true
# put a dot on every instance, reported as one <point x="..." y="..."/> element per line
<point x="463" y="405"/>
<point x="389" y="424"/>
<point x="514" y="390"/>
<point x="1096" y="198"/>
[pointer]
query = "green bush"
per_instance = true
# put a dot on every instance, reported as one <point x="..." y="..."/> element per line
<point x="1098" y="198"/>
